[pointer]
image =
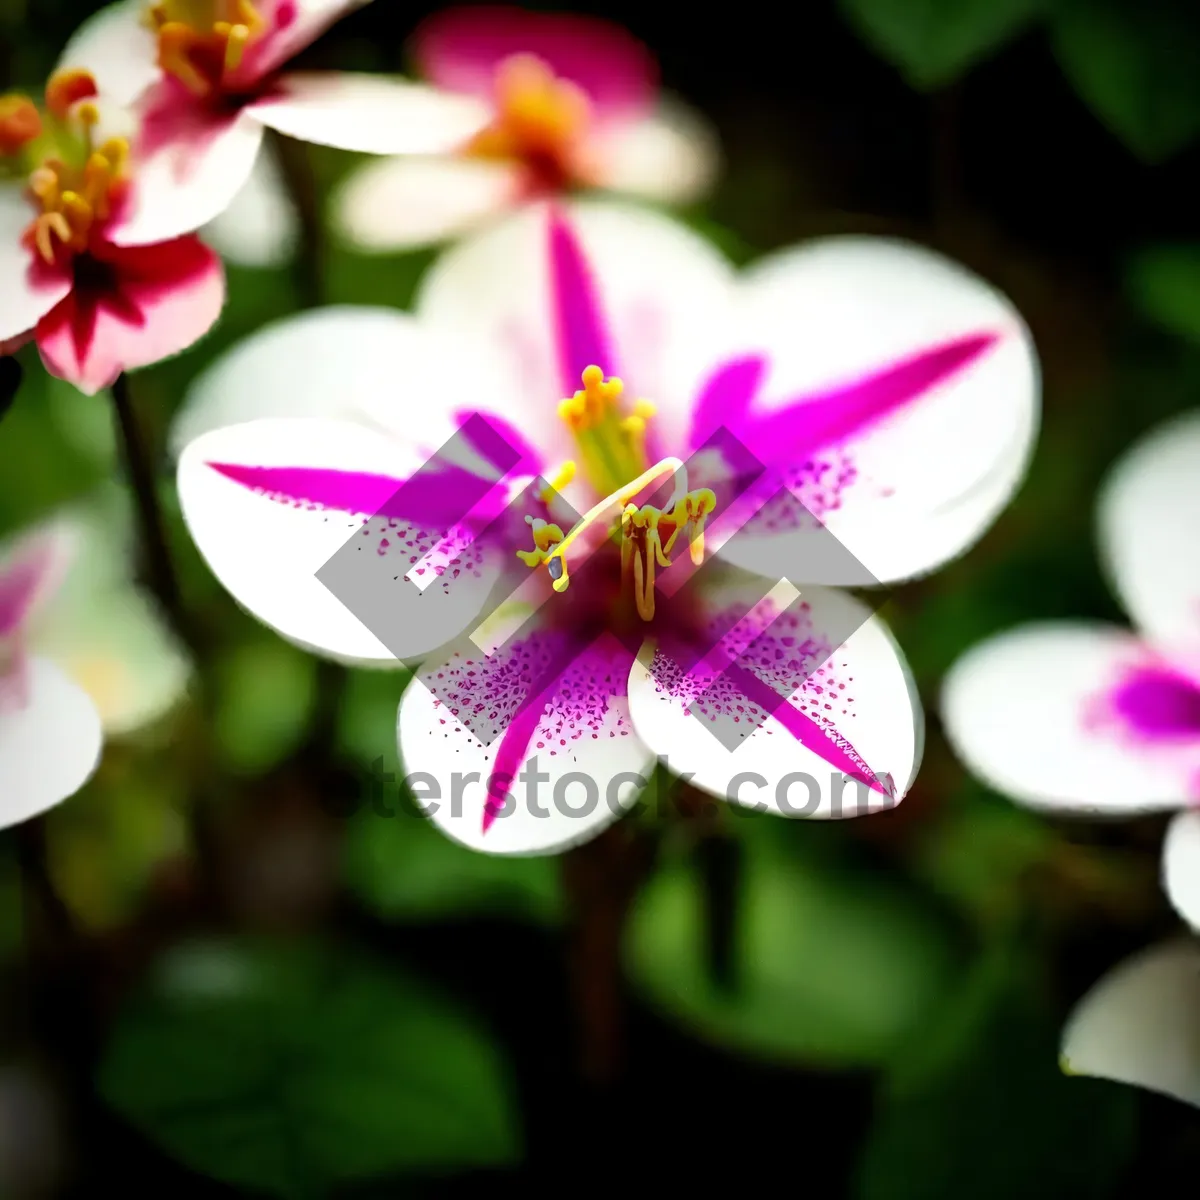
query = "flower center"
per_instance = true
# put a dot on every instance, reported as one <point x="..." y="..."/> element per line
<point x="611" y="443"/>
<point x="72" y="181"/>
<point x="200" y="41"/>
<point x="539" y="120"/>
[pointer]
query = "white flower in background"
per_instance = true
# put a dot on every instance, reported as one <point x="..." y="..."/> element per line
<point x="575" y="104"/>
<point x="83" y="655"/>
<point x="1094" y="719"/>
<point x="892" y="392"/>
<point x="260" y="227"/>
<point x="1141" y="1023"/>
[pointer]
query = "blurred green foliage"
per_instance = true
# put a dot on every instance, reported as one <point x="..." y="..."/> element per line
<point x="288" y="1068"/>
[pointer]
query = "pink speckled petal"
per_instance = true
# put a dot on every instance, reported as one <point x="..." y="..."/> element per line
<point x="533" y="776"/>
<point x="460" y="49"/>
<point x="845" y="740"/>
<point x="291" y="25"/>
<point x="271" y="502"/>
<point x="1077" y="717"/>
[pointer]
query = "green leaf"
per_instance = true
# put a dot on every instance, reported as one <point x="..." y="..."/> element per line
<point x="1135" y="66"/>
<point x="932" y="42"/>
<point x="403" y="866"/>
<point x="1164" y="281"/>
<point x="990" y="1115"/>
<point x="266" y="693"/>
<point x="835" y="970"/>
<point x="294" y="1068"/>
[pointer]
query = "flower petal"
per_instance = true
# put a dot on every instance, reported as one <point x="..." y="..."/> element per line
<point x="849" y="714"/>
<point x="670" y="155"/>
<point x="1181" y="866"/>
<point x="272" y="503"/>
<point x="400" y="203"/>
<point x="894" y="386"/>
<point x="551" y="771"/>
<point x="33" y="567"/>
<point x="1141" y="1023"/>
<point x="460" y="49"/>
<point x="661" y="292"/>
<point x="190" y="167"/>
<point x="48" y="748"/>
<point x="1034" y="713"/>
<point x="260" y="227"/>
<point x="162" y="300"/>
<point x="373" y="366"/>
<point x="1148" y="514"/>
<point x="370" y="114"/>
<point x="30" y="290"/>
<point x="117" y="48"/>
<point x="293" y="25"/>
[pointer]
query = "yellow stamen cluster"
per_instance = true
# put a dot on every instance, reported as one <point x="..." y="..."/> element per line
<point x="71" y="180"/>
<point x="642" y="547"/>
<point x="74" y="195"/>
<point x="539" y="117"/>
<point x="199" y="41"/>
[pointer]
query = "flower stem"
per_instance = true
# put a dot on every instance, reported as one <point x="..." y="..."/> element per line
<point x="159" y="569"/>
<point x="601" y="880"/>
<point x="48" y="907"/>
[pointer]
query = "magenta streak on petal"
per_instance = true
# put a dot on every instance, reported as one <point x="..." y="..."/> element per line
<point x="1158" y="703"/>
<point x="530" y="458"/>
<point x="439" y="499"/>
<point x="730" y="389"/>
<point x="812" y="423"/>
<point x="581" y="332"/>
<point x="823" y="742"/>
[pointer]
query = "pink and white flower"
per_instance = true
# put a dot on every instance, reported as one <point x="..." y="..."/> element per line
<point x="575" y="103"/>
<point x="1091" y="718"/>
<point x="94" y="307"/>
<point x="1140" y="1024"/>
<point x="83" y="653"/>
<point x="893" y="393"/>
<point x="50" y="733"/>
<point x="207" y="77"/>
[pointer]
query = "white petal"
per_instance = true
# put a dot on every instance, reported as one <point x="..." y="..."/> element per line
<point x="374" y="366"/>
<point x="837" y="310"/>
<point x="576" y="773"/>
<point x="188" y="181"/>
<point x="34" y="565"/>
<point x="1181" y="866"/>
<point x="1149" y="514"/>
<point x="671" y="156"/>
<point x="260" y="227"/>
<point x="863" y="690"/>
<point x="25" y="295"/>
<point x="399" y="203"/>
<point x="1022" y="709"/>
<point x="1141" y="1023"/>
<point x="267" y="553"/>
<point x="370" y="114"/>
<point x="666" y="293"/>
<point x="49" y="748"/>
<point x="117" y="48"/>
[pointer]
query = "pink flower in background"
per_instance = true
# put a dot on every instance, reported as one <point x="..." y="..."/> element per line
<point x="1090" y="718"/>
<point x="94" y="308"/>
<point x="893" y="393"/>
<point x="207" y="77"/>
<point x="575" y="103"/>
<point x="50" y="732"/>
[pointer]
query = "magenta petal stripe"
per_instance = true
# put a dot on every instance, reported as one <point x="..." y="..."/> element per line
<point x="19" y="584"/>
<point x="581" y="334"/>
<point x="812" y="423"/>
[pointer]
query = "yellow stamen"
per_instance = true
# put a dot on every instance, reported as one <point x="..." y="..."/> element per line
<point x="201" y="41"/>
<point x="20" y="123"/>
<point x="67" y="88"/>
<point x="559" y="480"/>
